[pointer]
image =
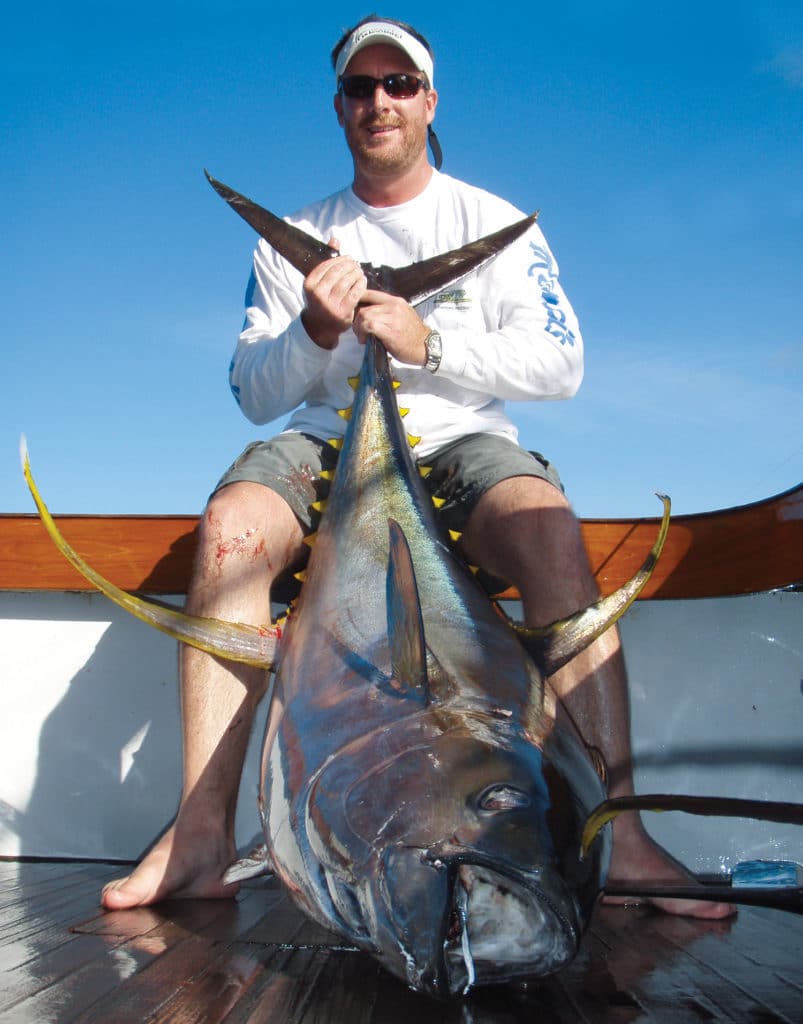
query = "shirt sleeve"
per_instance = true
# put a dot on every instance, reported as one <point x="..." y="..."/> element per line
<point x="275" y="363"/>
<point x="531" y="347"/>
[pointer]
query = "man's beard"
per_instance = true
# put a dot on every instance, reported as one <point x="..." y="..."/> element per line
<point x="408" y="144"/>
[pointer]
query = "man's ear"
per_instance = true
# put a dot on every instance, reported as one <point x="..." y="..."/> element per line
<point x="339" y="108"/>
<point x="432" y="103"/>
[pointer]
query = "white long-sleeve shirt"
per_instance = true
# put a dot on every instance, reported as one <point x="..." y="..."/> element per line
<point x="508" y="331"/>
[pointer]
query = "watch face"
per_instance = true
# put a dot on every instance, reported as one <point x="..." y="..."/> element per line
<point x="434" y="351"/>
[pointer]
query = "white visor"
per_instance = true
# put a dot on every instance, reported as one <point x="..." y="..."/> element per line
<point x="377" y="32"/>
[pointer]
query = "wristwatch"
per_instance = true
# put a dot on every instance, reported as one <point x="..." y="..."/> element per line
<point x="434" y="347"/>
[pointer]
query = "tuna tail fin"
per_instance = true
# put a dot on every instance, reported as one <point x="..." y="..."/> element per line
<point x="408" y="652"/>
<point x="253" y="645"/>
<point x="420" y="281"/>
<point x="415" y="283"/>
<point x="554" y="645"/>
<point x="301" y="250"/>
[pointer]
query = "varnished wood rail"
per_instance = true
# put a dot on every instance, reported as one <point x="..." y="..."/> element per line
<point x="747" y="549"/>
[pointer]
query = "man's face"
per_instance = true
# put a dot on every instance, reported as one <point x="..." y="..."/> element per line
<point x="386" y="136"/>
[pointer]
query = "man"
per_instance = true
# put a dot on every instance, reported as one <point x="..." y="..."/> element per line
<point x="505" y="333"/>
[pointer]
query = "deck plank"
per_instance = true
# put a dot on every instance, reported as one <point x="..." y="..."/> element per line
<point x="695" y="966"/>
<point x="257" y="959"/>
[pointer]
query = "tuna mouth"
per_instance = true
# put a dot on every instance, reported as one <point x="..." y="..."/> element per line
<point x="505" y="928"/>
<point x="445" y="924"/>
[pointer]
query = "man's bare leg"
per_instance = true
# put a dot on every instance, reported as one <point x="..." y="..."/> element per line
<point x="524" y="531"/>
<point x="248" y="535"/>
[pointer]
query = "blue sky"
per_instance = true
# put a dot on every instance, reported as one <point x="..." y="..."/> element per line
<point x="663" y="143"/>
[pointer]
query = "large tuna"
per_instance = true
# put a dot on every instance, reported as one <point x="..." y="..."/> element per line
<point x="423" y="792"/>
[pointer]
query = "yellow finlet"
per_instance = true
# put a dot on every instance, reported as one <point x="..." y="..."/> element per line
<point x="300" y="576"/>
<point x="318" y="506"/>
<point x="345" y="413"/>
<point x="396" y="384"/>
<point x="438" y="502"/>
<point x="336" y="443"/>
<point x="354" y="382"/>
<point x="413" y="440"/>
<point x="310" y="539"/>
<point x="455" y="535"/>
<point x="424" y="471"/>
<point x="327" y="474"/>
<point x="403" y="412"/>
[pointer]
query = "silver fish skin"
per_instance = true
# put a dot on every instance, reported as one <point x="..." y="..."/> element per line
<point x="423" y="794"/>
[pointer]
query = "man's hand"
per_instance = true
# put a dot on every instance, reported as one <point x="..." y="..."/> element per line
<point x="397" y="325"/>
<point x="331" y="294"/>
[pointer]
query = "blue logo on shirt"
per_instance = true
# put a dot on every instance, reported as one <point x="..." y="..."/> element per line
<point x="544" y="267"/>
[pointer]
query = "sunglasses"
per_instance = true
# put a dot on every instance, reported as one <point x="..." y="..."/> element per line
<point x="397" y="86"/>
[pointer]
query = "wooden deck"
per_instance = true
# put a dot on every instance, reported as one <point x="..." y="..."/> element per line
<point x="257" y="960"/>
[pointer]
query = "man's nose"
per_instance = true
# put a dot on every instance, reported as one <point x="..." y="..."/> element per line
<point x="379" y="97"/>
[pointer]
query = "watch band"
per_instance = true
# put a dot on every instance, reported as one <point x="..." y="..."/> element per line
<point x="434" y="348"/>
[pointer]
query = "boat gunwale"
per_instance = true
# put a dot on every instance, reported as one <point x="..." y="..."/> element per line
<point x="742" y="549"/>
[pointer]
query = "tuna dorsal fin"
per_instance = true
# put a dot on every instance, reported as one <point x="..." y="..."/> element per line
<point x="554" y="645"/>
<point x="415" y="283"/>
<point x="235" y="641"/>
<point x="408" y="652"/>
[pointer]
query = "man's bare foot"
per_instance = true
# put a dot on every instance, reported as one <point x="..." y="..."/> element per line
<point x="638" y="859"/>
<point x="174" y="869"/>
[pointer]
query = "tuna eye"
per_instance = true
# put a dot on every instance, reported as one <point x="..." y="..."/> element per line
<point x="503" y="798"/>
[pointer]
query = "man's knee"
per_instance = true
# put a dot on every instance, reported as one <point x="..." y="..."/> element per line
<point x="249" y="520"/>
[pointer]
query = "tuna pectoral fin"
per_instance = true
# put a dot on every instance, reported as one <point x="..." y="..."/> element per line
<point x="554" y="645"/>
<point x="714" y="806"/>
<point x="790" y="899"/>
<point x="408" y="652"/>
<point x="254" y="645"/>
<point x="781" y="897"/>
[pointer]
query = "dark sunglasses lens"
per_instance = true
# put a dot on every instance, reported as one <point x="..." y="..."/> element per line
<point x="399" y="87"/>
<point x="358" y="87"/>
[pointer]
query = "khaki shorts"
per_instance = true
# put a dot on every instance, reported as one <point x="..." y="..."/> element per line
<point x="290" y="464"/>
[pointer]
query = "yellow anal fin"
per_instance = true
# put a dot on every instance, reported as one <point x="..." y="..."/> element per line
<point x="234" y="641"/>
